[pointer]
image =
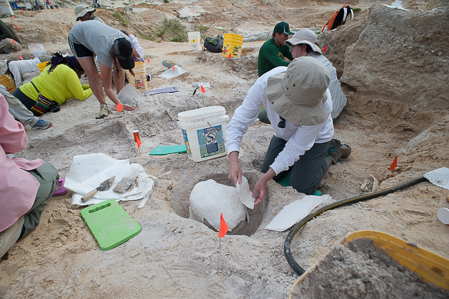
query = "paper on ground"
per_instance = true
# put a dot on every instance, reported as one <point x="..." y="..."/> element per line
<point x="439" y="177"/>
<point x="396" y="4"/>
<point x="295" y="211"/>
<point x="89" y="171"/>
<point x="170" y="73"/>
<point x="245" y="194"/>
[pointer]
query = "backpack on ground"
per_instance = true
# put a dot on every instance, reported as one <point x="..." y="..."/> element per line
<point x="339" y="18"/>
<point x="214" y="44"/>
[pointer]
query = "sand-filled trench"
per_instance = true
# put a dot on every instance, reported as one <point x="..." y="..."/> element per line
<point x="176" y="257"/>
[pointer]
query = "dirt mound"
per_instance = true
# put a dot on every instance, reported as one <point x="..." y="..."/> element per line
<point x="402" y="57"/>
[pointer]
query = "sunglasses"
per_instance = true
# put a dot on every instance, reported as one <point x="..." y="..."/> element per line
<point x="281" y="123"/>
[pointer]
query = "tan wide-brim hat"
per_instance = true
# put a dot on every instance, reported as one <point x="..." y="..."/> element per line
<point x="298" y="95"/>
<point x="305" y="36"/>
<point x="81" y="10"/>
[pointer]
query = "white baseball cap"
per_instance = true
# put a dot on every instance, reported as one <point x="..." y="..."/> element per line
<point x="305" y="36"/>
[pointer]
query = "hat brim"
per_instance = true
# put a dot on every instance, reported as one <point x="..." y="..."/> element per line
<point x="314" y="47"/>
<point x="127" y="64"/>
<point x="298" y="114"/>
<point x="286" y="32"/>
<point x="84" y="12"/>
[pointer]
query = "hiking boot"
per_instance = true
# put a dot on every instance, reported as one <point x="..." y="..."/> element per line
<point x="103" y="111"/>
<point x="41" y="125"/>
<point x="338" y="150"/>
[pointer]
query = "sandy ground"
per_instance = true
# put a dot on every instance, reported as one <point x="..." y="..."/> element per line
<point x="174" y="257"/>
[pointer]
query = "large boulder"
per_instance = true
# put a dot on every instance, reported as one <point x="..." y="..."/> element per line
<point x="402" y="57"/>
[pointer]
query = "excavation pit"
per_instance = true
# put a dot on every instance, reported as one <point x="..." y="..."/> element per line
<point x="248" y="227"/>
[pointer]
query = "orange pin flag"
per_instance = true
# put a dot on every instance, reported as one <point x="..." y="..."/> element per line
<point x="137" y="138"/>
<point x="173" y="67"/>
<point x="13" y="17"/>
<point x="202" y="89"/>
<point x="20" y="57"/>
<point x="223" y="227"/>
<point x="13" y="42"/>
<point x="324" y="49"/>
<point x="394" y="164"/>
<point x="119" y="107"/>
<point x="229" y="56"/>
<point x="16" y="26"/>
<point x="22" y="9"/>
<point x="148" y="60"/>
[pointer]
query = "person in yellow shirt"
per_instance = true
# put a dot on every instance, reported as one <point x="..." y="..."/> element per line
<point x="58" y="82"/>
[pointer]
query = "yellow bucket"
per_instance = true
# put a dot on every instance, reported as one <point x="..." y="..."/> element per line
<point x="8" y="82"/>
<point x="232" y="43"/>
<point x="42" y="65"/>
<point x="429" y="266"/>
<point x="139" y="81"/>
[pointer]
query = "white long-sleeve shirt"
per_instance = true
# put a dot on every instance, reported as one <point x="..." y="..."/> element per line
<point x="20" y="67"/>
<point x="135" y="44"/>
<point x="299" y="138"/>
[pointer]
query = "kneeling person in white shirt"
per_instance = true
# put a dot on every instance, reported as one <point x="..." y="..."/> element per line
<point x="299" y="107"/>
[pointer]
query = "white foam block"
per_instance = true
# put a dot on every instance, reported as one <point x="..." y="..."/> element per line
<point x="209" y="199"/>
<point x="295" y="211"/>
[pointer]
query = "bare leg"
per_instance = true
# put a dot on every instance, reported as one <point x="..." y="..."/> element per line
<point x="106" y="73"/>
<point x="119" y="82"/>
<point x="88" y="64"/>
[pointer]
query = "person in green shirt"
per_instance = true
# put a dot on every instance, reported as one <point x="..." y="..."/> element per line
<point x="273" y="51"/>
<point x="58" y="82"/>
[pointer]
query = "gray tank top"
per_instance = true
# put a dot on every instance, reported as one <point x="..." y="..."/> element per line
<point x="97" y="37"/>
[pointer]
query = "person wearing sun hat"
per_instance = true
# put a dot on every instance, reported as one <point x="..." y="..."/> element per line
<point x="299" y="108"/>
<point x="274" y="50"/>
<point x="86" y="13"/>
<point x="304" y="43"/>
<point x="114" y="51"/>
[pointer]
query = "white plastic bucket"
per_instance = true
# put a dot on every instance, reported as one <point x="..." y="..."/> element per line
<point x="195" y="41"/>
<point x="204" y="132"/>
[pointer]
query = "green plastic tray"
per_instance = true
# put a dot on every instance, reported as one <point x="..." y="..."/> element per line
<point x="110" y="224"/>
<point x="168" y="149"/>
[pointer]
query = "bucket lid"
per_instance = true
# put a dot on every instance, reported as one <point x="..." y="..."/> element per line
<point x="443" y="215"/>
<point x="192" y="115"/>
